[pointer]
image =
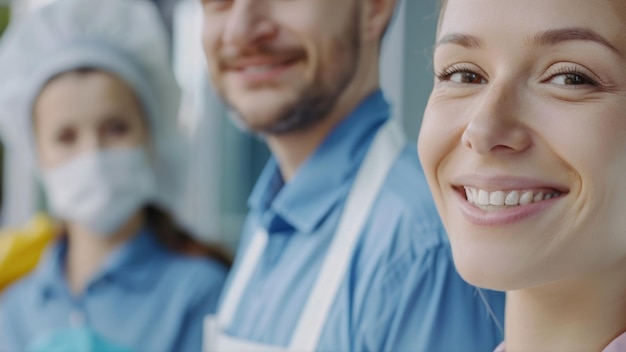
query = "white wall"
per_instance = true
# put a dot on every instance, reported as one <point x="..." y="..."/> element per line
<point x="19" y="184"/>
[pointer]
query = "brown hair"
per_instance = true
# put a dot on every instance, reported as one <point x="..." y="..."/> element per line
<point x="169" y="234"/>
<point x="442" y="5"/>
<point x="442" y="9"/>
<point x="173" y="237"/>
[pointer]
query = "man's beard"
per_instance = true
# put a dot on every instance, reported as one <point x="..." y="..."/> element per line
<point x="318" y="100"/>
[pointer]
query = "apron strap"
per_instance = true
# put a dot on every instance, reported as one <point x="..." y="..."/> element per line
<point x="240" y="280"/>
<point x="386" y="148"/>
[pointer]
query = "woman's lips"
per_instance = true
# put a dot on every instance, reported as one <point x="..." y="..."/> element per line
<point x="499" y="207"/>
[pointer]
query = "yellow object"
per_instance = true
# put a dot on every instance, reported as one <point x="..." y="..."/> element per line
<point x="20" y="249"/>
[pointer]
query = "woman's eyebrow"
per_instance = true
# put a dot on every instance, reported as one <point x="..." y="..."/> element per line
<point x="547" y="38"/>
<point x="465" y="40"/>
<point x="556" y="36"/>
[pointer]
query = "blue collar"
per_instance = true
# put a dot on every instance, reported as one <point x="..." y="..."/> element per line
<point x="134" y="266"/>
<point x="325" y="178"/>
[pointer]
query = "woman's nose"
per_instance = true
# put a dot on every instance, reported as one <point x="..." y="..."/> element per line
<point x="496" y="126"/>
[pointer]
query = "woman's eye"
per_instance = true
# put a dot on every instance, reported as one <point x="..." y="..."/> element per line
<point x="461" y="76"/>
<point x="571" y="75"/>
<point x="467" y="77"/>
<point x="572" y="79"/>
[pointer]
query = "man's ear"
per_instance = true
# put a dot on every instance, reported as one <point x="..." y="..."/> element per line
<point x="377" y="17"/>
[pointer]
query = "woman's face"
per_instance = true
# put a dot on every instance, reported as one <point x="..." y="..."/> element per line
<point x="524" y="138"/>
<point x="81" y="112"/>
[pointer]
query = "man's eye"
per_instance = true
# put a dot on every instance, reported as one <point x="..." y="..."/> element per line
<point x="216" y="2"/>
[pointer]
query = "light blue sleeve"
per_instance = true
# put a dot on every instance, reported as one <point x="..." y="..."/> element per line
<point x="75" y="339"/>
<point x="11" y="339"/>
<point x="424" y="305"/>
<point x="204" y="303"/>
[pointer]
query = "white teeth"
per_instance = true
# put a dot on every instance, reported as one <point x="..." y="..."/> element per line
<point x="496" y="198"/>
<point x="526" y="198"/>
<point x="483" y="197"/>
<point x="512" y="198"/>
<point x="505" y="198"/>
<point x="258" y="69"/>
<point x="468" y="194"/>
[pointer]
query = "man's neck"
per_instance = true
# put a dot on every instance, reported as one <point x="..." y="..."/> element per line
<point x="291" y="150"/>
<point x="585" y="315"/>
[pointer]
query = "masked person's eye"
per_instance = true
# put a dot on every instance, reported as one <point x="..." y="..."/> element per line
<point x="116" y="128"/>
<point x="66" y="137"/>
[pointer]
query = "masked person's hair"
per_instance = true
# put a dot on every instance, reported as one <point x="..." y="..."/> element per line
<point x="174" y="237"/>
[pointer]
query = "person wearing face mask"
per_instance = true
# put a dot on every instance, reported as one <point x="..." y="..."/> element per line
<point x="524" y="147"/>
<point x="89" y="100"/>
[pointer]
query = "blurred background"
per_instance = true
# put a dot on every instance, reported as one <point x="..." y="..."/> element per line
<point x="226" y="161"/>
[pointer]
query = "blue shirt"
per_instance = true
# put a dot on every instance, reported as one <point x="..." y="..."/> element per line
<point x="401" y="291"/>
<point x="145" y="297"/>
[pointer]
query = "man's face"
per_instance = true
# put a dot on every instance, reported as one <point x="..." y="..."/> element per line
<point x="281" y="65"/>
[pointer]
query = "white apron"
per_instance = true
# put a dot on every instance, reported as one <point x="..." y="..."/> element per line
<point x="382" y="154"/>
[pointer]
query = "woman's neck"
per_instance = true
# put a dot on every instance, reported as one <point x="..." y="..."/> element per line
<point x="581" y="315"/>
<point x="88" y="251"/>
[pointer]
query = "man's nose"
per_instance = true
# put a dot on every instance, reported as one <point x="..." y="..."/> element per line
<point x="249" y="23"/>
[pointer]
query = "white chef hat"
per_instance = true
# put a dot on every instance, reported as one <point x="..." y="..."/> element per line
<point x="124" y="37"/>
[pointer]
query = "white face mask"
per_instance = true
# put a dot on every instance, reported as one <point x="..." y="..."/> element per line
<point x="101" y="190"/>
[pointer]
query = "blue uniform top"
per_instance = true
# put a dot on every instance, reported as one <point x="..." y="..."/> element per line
<point x="401" y="291"/>
<point x="145" y="297"/>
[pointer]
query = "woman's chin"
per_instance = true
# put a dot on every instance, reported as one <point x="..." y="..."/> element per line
<point x="493" y="275"/>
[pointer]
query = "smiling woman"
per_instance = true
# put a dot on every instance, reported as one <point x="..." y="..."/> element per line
<point x="524" y="146"/>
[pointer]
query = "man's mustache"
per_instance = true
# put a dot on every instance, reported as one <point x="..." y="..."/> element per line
<point x="230" y="57"/>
